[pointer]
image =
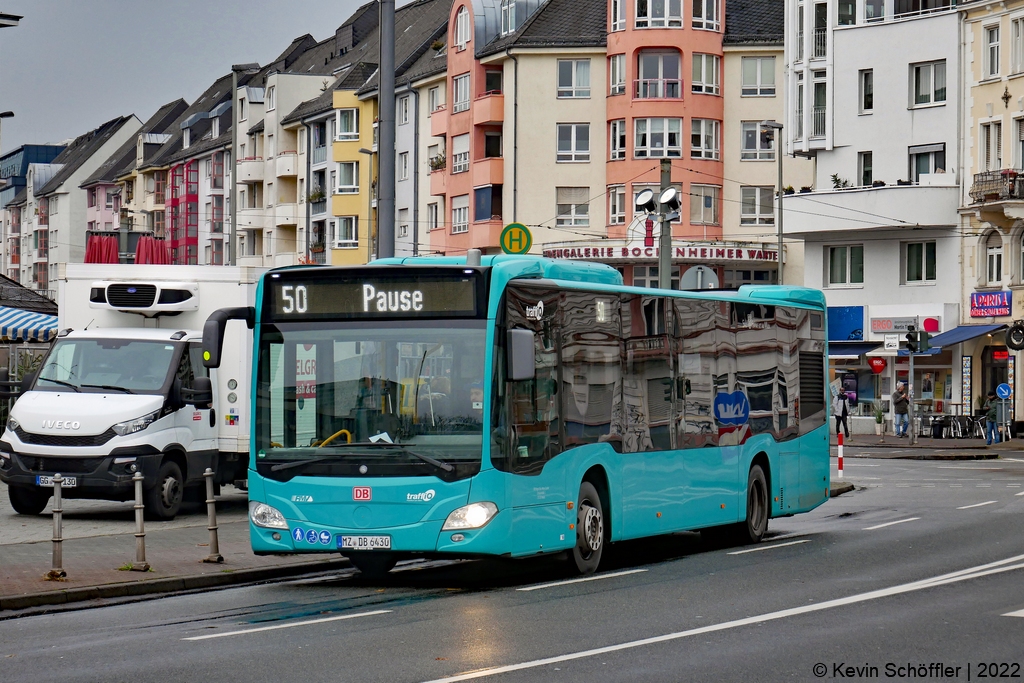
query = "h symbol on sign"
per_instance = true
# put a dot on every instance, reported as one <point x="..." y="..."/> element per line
<point x="515" y="239"/>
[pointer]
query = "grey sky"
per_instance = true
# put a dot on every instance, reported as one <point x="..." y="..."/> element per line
<point x="73" y="64"/>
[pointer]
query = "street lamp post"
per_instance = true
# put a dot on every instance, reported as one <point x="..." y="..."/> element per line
<point x="371" y="237"/>
<point x="773" y="130"/>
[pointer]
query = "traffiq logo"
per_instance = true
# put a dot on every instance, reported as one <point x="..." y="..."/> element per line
<point x="535" y="312"/>
<point x="425" y="496"/>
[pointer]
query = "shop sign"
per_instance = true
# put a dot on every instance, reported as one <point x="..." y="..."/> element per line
<point x="884" y="325"/>
<point x="988" y="304"/>
<point x="877" y="365"/>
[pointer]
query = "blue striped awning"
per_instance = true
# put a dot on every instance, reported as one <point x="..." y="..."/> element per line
<point x="19" y="325"/>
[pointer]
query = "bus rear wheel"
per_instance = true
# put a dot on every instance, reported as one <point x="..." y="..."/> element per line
<point x="373" y="564"/>
<point x="589" y="530"/>
<point x="753" y="529"/>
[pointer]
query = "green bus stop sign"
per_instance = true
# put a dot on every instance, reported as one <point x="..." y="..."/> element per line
<point x="516" y="239"/>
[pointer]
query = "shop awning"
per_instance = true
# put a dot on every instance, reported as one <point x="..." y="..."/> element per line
<point x="892" y="353"/>
<point x="19" y="325"/>
<point x="962" y="334"/>
<point x="850" y="350"/>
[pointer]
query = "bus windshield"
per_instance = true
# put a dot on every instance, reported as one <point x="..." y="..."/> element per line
<point x="128" y="366"/>
<point x="386" y="391"/>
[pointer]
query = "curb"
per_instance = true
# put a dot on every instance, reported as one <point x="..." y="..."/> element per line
<point x="930" y="456"/>
<point x="168" y="585"/>
<point x="839" y="488"/>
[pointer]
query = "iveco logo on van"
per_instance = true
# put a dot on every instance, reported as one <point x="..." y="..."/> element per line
<point x="425" y="496"/>
<point x="61" y="424"/>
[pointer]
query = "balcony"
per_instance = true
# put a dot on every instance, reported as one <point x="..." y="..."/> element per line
<point x="489" y="171"/>
<point x="286" y="165"/>
<point x="438" y="182"/>
<point x="317" y="208"/>
<point x="252" y="219"/>
<point x="319" y="154"/>
<point x="818" y="124"/>
<point x="251" y="170"/>
<point x="820" y="43"/>
<point x="933" y="201"/>
<point x="1001" y="185"/>
<point x="439" y="122"/>
<point x="657" y="89"/>
<point x="489" y="108"/>
<point x="286" y="214"/>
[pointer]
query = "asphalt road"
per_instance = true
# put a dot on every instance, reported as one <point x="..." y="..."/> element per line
<point x="923" y="565"/>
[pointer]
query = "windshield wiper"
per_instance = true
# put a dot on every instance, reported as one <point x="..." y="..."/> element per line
<point x="403" y="448"/>
<point x="62" y="383"/>
<point x="109" y="387"/>
<point x="297" y="463"/>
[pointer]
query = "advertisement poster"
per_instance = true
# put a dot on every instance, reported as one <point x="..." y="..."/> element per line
<point x="850" y="387"/>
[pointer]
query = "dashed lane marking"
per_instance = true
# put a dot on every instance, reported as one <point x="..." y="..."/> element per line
<point x="976" y="505"/>
<point x="1018" y="613"/>
<point x="288" y="625"/>
<point x="595" y="577"/>
<point x="898" y="521"/>
<point x="769" y="547"/>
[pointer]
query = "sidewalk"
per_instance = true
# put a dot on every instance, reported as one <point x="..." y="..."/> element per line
<point x="174" y="554"/>
<point x="976" y="447"/>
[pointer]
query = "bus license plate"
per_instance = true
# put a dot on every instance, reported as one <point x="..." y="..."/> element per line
<point x="364" y="542"/>
<point x="66" y="483"/>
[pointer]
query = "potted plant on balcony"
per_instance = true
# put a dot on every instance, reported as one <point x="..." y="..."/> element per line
<point x="904" y="182"/>
<point x="788" y="189"/>
<point x="437" y="163"/>
<point x="317" y="247"/>
<point x="878" y="183"/>
<point x="317" y="195"/>
<point x="805" y="189"/>
<point x="839" y="183"/>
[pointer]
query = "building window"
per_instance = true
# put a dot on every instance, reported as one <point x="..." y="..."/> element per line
<point x="271" y="97"/>
<point x="348" y="177"/>
<point x="403" y="166"/>
<point x="346" y="235"/>
<point x="758" y="76"/>
<point x="660" y="13"/>
<point x="919" y="261"/>
<point x="573" y="204"/>
<point x="929" y="83"/>
<point x="217" y="213"/>
<point x="92" y="197"/>
<point x="108" y="203"/>
<point x="573" y="78"/>
<point x="707" y="15"/>
<point x="867" y="91"/>
<point x="991" y="51"/>
<point x="616" y="204"/>
<point x="756" y="147"/>
<point x="433" y="100"/>
<point x="1017" y="45"/>
<point x="705" y="74"/>
<point x="403" y="223"/>
<point x="704" y="139"/>
<point x="460" y="214"/>
<point x="346" y="124"/>
<point x="864" y="165"/>
<point x="619" y="15"/>
<point x="1018" y="147"/>
<point x="617" y="74"/>
<point x="704" y="204"/>
<point x="241" y="109"/>
<point x="992" y="146"/>
<point x="460" y="93"/>
<point x="432" y="216"/>
<point x="492" y="145"/>
<point x="508" y="16"/>
<point x="993" y="251"/>
<point x="462" y="28"/>
<point x="617" y="144"/>
<point x="492" y="82"/>
<point x="657" y="138"/>
<point x="874" y="10"/>
<point x="846" y="13"/>
<point x="460" y="153"/>
<point x="757" y="206"/>
<point x="573" y="142"/>
<point x="925" y="159"/>
<point x="846" y="265"/>
<point x="658" y="75"/>
<point x="403" y="110"/>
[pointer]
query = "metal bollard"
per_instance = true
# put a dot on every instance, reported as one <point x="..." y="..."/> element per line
<point x="57" y="572"/>
<point x="140" y="564"/>
<point x="211" y="520"/>
<point x="840" y="468"/>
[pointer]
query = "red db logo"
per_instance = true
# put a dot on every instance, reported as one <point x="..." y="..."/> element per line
<point x="360" y="493"/>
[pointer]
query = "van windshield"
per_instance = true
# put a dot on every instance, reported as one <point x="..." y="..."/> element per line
<point x="85" y="365"/>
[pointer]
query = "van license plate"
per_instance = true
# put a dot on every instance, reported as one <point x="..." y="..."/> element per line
<point x="66" y="482"/>
<point x="364" y="542"/>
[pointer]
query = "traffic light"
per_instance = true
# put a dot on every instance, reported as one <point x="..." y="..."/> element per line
<point x="922" y="341"/>
<point x="911" y="339"/>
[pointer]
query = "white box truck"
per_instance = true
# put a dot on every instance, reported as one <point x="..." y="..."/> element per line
<point x="123" y="389"/>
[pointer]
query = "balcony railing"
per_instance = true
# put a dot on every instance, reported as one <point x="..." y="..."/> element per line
<point x="819" y="122"/>
<point x="319" y="154"/>
<point x="1007" y="183"/>
<point x="657" y="88"/>
<point x="820" y="42"/>
<point x="319" y="207"/>
<point x="318" y="253"/>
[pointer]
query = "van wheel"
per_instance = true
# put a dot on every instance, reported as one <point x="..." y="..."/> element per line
<point x="372" y="564"/>
<point x="756" y="524"/>
<point x="589" y="530"/>
<point x="27" y="500"/>
<point x="163" y="500"/>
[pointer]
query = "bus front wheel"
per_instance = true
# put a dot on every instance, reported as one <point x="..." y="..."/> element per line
<point x="756" y="524"/>
<point x="373" y="564"/>
<point x="589" y="530"/>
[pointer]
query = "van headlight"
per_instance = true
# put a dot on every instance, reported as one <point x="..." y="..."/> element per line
<point x="265" y="516"/>
<point x="472" y="516"/>
<point x="12" y="424"/>
<point x="137" y="425"/>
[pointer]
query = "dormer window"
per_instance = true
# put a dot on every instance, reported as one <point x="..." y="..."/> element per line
<point x="215" y="128"/>
<point x="462" y="28"/>
<point x="508" y="17"/>
<point x="187" y="138"/>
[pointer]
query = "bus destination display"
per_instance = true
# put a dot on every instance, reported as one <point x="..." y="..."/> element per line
<point x="375" y="298"/>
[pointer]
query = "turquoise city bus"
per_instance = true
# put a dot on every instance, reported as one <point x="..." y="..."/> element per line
<point x="517" y="406"/>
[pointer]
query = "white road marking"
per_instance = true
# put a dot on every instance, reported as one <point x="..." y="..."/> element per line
<point x="1012" y="459"/>
<point x="976" y="505"/>
<point x="962" y="575"/>
<point x="769" y="547"/>
<point x="1019" y="494"/>
<point x="864" y="464"/>
<point x="783" y="537"/>
<point x="288" y="625"/>
<point x="898" y="521"/>
<point x="983" y="486"/>
<point x="595" y="577"/>
<point x="961" y="467"/>
<point x="1018" y="613"/>
<point x="1013" y="486"/>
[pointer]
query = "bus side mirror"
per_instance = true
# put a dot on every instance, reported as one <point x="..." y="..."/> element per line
<point x="200" y="395"/>
<point x="521" y="361"/>
<point x="213" y="331"/>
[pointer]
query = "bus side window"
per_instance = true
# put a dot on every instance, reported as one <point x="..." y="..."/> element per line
<point x="695" y="367"/>
<point x="591" y="372"/>
<point x="647" y="375"/>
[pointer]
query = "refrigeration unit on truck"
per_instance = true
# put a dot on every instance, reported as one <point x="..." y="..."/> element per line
<point x="123" y="389"/>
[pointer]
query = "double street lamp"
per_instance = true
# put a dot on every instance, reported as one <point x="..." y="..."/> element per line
<point x="772" y="130"/>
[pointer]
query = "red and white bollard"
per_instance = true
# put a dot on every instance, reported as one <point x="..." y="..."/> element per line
<point x="840" y="456"/>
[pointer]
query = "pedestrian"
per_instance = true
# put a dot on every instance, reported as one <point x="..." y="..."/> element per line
<point x="900" y="408"/>
<point x="991" y="425"/>
<point x="841" y="409"/>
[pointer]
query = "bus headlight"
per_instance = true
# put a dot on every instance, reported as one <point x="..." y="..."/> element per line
<point x="265" y="516"/>
<point x="472" y="516"/>
<point x="137" y="425"/>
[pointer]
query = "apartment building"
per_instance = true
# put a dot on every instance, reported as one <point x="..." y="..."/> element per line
<point x="14" y="173"/>
<point x="871" y="89"/>
<point x="427" y="78"/>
